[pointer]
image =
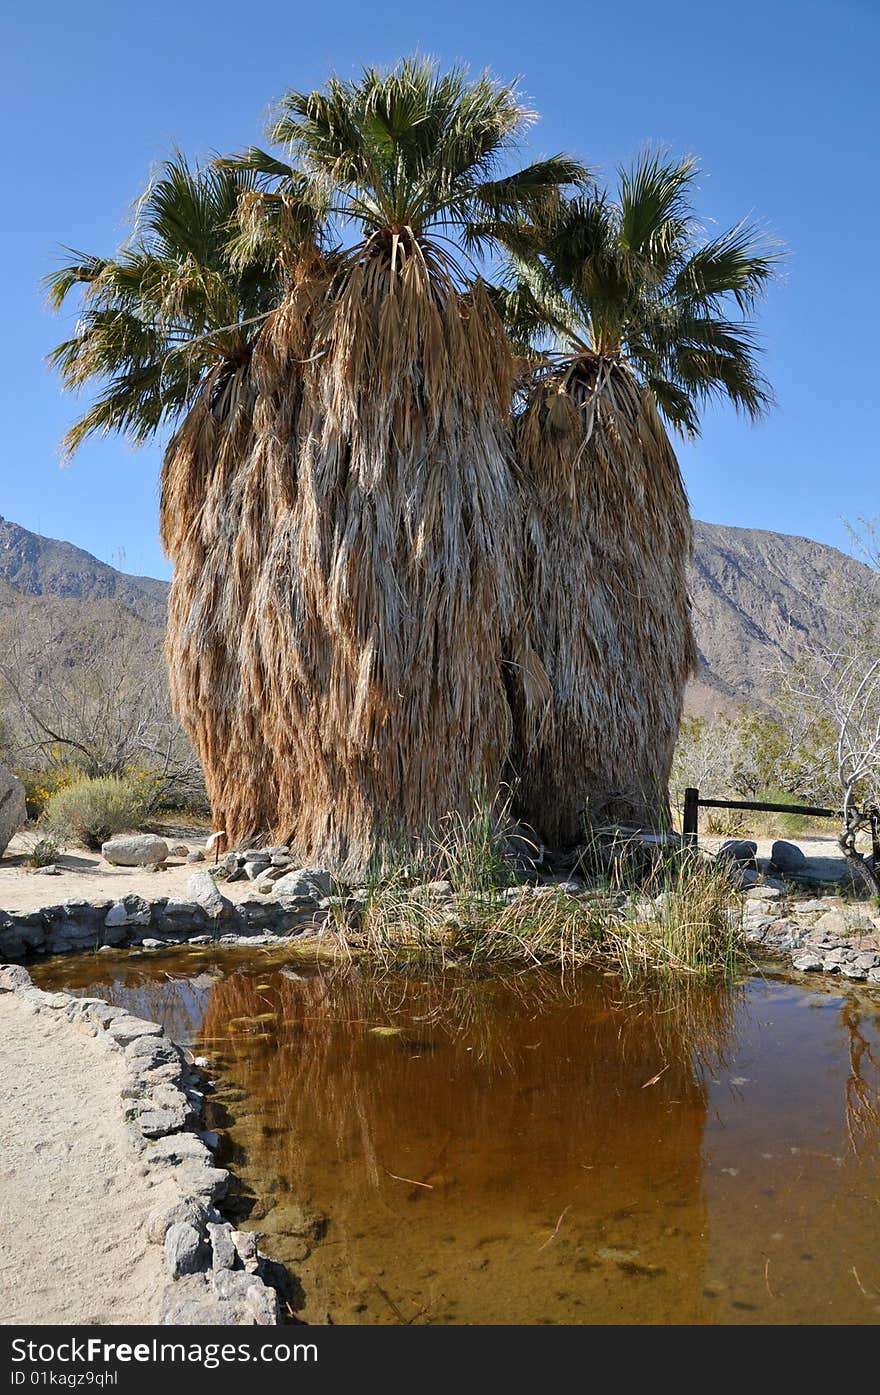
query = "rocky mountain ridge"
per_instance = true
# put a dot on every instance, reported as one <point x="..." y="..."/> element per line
<point x="757" y="597"/>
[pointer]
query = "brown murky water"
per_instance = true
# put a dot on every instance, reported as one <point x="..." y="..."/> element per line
<point x="451" y="1149"/>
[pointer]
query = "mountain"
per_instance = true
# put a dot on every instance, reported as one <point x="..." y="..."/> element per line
<point x="757" y="598"/>
<point x="37" y="566"/>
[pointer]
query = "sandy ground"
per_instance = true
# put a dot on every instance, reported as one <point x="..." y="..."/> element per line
<point x="72" y="1201"/>
<point x="85" y="876"/>
<point x="825" y="855"/>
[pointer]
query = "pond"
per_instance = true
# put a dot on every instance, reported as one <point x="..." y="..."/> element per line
<point x="440" y="1147"/>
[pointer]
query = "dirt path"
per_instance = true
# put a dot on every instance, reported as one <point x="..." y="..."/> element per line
<point x="86" y="876"/>
<point x="73" y="1248"/>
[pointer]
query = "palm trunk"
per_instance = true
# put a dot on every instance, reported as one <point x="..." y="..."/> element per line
<point x="607" y="542"/>
<point x="228" y="485"/>
<point x="392" y="578"/>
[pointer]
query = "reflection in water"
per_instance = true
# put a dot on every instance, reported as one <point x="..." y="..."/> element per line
<point x="521" y="1149"/>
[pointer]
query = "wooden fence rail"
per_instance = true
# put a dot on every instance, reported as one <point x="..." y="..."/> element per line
<point x="693" y="804"/>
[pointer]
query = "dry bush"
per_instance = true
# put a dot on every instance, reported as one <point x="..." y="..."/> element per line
<point x="88" y="812"/>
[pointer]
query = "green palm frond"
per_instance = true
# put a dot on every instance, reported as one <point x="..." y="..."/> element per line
<point x="180" y="297"/>
<point x="628" y="277"/>
<point x="412" y="148"/>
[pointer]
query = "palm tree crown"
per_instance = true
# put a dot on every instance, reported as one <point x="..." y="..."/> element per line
<point x="173" y="309"/>
<point x="628" y="279"/>
<point x="397" y="155"/>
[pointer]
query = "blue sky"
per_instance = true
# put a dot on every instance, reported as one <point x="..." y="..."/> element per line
<point x="776" y="98"/>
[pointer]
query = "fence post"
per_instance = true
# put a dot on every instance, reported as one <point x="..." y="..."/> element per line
<point x="691" y="815"/>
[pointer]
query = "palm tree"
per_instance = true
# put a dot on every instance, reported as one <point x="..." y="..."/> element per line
<point x="649" y="323"/>
<point x="173" y="332"/>
<point x="394" y="574"/>
<point x="338" y="493"/>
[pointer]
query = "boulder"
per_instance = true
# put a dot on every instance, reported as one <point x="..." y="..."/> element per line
<point x="787" y="857"/>
<point x="183" y="1249"/>
<point x="198" y="1181"/>
<point x="305" y="883"/>
<point x="741" y="851"/>
<point x="132" y="910"/>
<point x="255" y="868"/>
<point x="808" y="962"/>
<point x="136" y="850"/>
<point x="195" y="856"/>
<point x="13" y="812"/>
<point x="202" y="889"/>
<point x="833" y="923"/>
<point x="223" y="1251"/>
<point x="127" y="1028"/>
<point x="168" y="1213"/>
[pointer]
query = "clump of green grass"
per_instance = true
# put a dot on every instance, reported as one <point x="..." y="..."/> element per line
<point x="671" y="914"/>
<point x="44" y="852"/>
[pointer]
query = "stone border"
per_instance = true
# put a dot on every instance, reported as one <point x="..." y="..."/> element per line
<point x="820" y="935"/>
<point x="85" y="925"/>
<point x="216" y="1274"/>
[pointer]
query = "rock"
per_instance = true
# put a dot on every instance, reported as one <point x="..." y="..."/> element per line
<point x="223" y="1251"/>
<point x="178" y="850"/>
<point x="13" y="977"/>
<point x="13" y="810"/>
<point x="105" y="1012"/>
<point x="50" y="870"/>
<point x="840" y="955"/>
<point x="743" y="877"/>
<point x="430" y="891"/>
<point x="854" y="971"/>
<point x="157" y="1123"/>
<point x="763" y="893"/>
<point x="250" y="1291"/>
<point x="833" y="923"/>
<point x="255" y="869"/>
<point x="12" y="943"/>
<point x="199" y="940"/>
<point x="203" y="891"/>
<point x="204" y="1183"/>
<point x="195" y="856"/>
<point x="180" y="910"/>
<point x="147" y="1052"/>
<point x="306" y="883"/>
<point x="183" y="1249"/>
<point x="245" y="1242"/>
<point x="180" y="1212"/>
<point x="176" y="1150"/>
<point x="788" y="857"/>
<point x="205" y="1312"/>
<point x="131" y="910"/>
<point x="135" y="850"/>
<point x="741" y="851"/>
<point x="126" y="1028"/>
<point x="807" y="963"/>
<point x="152" y="944"/>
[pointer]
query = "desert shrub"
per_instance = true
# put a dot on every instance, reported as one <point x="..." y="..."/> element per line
<point x="44" y="853"/>
<point x="41" y="782"/>
<point x="88" y="812"/>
